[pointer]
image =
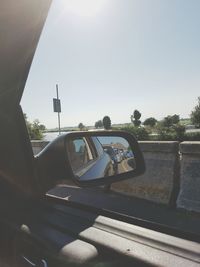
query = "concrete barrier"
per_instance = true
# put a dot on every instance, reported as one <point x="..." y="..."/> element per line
<point x="169" y="167"/>
<point x="160" y="182"/>
<point x="189" y="196"/>
<point x="37" y="146"/>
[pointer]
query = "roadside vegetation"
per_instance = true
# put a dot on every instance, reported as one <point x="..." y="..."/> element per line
<point x="35" y="129"/>
<point x="170" y="128"/>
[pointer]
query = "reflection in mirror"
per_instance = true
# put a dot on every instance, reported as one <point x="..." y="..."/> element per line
<point x="94" y="157"/>
<point x="120" y="153"/>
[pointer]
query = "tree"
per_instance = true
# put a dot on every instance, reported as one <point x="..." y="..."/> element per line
<point x="107" y="122"/>
<point x="150" y="122"/>
<point x="171" y="120"/>
<point x="98" y="124"/>
<point x="195" y="114"/>
<point x="42" y="127"/>
<point x="175" y="119"/>
<point x="35" y="132"/>
<point x="81" y="126"/>
<point x="35" y="129"/>
<point x="135" y="118"/>
<point x="167" y="122"/>
<point x="180" y="131"/>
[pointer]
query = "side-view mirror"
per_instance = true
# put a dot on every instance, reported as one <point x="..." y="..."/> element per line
<point x="91" y="158"/>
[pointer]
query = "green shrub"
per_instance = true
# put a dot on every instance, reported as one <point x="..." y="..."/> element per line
<point x="175" y="132"/>
<point x="192" y="136"/>
<point x="139" y="132"/>
<point x="179" y="132"/>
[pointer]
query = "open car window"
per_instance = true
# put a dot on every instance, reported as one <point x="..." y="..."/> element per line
<point x="122" y="65"/>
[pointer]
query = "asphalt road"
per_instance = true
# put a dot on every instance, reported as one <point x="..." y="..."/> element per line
<point x="130" y="206"/>
<point x="123" y="166"/>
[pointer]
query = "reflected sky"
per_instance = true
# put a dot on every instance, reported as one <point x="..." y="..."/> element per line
<point x="105" y="140"/>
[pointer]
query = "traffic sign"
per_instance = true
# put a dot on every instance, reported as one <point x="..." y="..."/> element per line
<point x="56" y="105"/>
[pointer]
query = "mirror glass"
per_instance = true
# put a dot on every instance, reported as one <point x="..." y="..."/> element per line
<point x="94" y="157"/>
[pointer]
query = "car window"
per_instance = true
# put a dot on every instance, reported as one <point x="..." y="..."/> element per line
<point x="122" y="65"/>
<point x="80" y="154"/>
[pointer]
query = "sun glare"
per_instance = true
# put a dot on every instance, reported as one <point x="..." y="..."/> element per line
<point x="84" y="7"/>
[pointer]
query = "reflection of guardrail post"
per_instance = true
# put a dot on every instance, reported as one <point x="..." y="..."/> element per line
<point x="189" y="196"/>
<point x="160" y="183"/>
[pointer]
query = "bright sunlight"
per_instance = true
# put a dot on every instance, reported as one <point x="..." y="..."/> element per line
<point x="85" y="7"/>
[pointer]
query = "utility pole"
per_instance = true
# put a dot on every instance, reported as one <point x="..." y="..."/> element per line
<point x="57" y="107"/>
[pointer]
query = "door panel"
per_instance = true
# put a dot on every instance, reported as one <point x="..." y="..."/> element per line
<point x="66" y="236"/>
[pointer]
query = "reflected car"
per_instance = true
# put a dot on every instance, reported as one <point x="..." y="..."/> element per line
<point x="118" y="155"/>
<point x="129" y="154"/>
<point x="121" y="151"/>
<point x="111" y="152"/>
<point x="88" y="158"/>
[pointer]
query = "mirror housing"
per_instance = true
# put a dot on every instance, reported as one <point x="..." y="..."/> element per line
<point x="54" y="162"/>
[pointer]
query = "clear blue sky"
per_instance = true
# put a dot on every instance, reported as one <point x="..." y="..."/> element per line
<point x="110" y="57"/>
